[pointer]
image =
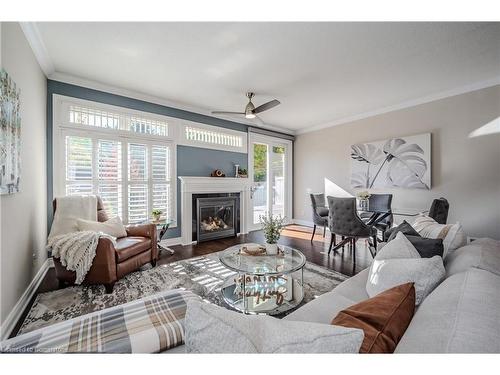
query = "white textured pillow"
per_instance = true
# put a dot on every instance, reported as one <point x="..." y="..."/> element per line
<point x="400" y="247"/>
<point x="114" y="226"/>
<point x="426" y="273"/>
<point x="214" y="329"/>
<point x="453" y="235"/>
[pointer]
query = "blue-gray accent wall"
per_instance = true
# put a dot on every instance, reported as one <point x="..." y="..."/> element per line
<point x="191" y="161"/>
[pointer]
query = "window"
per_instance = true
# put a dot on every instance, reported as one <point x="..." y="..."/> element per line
<point x="112" y="120"/>
<point x="126" y="159"/>
<point x="207" y="136"/>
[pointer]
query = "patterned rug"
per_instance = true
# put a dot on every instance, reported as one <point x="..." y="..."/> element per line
<point x="202" y="275"/>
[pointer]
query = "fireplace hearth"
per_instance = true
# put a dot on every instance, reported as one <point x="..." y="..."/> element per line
<point x="215" y="216"/>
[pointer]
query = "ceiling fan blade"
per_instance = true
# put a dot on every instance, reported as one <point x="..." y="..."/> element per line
<point x="227" y="113"/>
<point x="264" y="107"/>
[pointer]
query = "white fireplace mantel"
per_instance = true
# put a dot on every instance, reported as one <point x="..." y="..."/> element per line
<point x="203" y="185"/>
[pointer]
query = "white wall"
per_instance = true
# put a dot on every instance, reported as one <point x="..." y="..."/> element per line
<point x="465" y="170"/>
<point x="24" y="215"/>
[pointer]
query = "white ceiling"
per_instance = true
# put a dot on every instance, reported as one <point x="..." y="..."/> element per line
<point x="323" y="73"/>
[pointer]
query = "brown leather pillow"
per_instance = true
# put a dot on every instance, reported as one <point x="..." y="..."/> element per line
<point x="383" y="318"/>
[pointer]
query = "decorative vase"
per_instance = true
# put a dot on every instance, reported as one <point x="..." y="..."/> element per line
<point x="364" y="204"/>
<point x="271" y="248"/>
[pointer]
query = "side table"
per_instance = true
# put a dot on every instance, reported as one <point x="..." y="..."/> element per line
<point x="162" y="227"/>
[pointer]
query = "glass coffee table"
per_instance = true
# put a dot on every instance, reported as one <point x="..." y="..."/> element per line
<point x="263" y="284"/>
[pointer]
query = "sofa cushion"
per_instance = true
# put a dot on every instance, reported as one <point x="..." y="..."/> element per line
<point x="322" y="308"/>
<point x="483" y="253"/>
<point x="460" y="316"/>
<point x="426" y="273"/>
<point x="214" y="329"/>
<point x="383" y="318"/>
<point x="127" y="247"/>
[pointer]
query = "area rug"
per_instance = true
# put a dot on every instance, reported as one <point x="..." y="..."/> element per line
<point x="202" y="275"/>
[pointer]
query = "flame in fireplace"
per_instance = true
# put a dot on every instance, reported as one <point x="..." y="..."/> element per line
<point x="212" y="224"/>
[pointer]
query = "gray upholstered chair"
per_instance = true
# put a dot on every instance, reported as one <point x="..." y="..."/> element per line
<point x="344" y="221"/>
<point x="319" y="212"/>
<point x="439" y="210"/>
<point x="381" y="203"/>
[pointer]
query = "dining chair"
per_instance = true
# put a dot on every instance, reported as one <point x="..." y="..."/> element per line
<point x="380" y="203"/>
<point x="439" y="210"/>
<point x="319" y="212"/>
<point x="343" y="220"/>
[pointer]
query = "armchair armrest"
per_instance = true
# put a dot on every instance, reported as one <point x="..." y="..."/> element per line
<point x="143" y="230"/>
<point x="103" y="268"/>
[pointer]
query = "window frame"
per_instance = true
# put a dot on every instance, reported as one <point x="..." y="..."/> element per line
<point x="182" y="139"/>
<point x="62" y="128"/>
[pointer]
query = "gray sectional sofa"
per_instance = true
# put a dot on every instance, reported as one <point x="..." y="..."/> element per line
<point x="462" y="315"/>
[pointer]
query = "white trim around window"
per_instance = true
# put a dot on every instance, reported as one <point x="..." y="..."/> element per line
<point x="110" y="145"/>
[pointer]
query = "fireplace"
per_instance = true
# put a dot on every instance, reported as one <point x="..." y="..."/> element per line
<point x="215" y="216"/>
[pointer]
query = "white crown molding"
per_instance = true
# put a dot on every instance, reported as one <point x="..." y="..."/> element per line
<point x="407" y="104"/>
<point x="35" y="40"/>
<point x="78" y="81"/>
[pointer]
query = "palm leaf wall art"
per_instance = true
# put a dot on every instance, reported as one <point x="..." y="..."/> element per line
<point x="394" y="163"/>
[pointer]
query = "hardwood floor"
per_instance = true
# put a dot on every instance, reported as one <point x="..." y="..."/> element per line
<point x="295" y="236"/>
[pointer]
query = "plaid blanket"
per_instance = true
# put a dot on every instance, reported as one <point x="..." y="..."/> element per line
<point x="149" y="325"/>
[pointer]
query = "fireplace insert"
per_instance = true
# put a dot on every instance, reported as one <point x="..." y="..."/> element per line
<point x="216" y="217"/>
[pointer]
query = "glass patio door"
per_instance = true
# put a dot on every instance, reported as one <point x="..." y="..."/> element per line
<point x="270" y="170"/>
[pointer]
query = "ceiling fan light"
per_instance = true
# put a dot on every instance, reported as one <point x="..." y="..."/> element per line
<point x="249" y="115"/>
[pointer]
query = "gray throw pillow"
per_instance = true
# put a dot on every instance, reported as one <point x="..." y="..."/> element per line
<point x="425" y="273"/>
<point x="400" y="247"/>
<point x="404" y="228"/>
<point x="213" y="329"/>
<point x="427" y="247"/>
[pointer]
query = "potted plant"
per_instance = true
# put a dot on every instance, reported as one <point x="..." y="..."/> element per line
<point x="272" y="227"/>
<point x="242" y="172"/>
<point x="363" y="197"/>
<point x="156" y="214"/>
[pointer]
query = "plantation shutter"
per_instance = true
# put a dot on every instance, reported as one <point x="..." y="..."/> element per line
<point x="79" y="161"/>
<point x="110" y="176"/>
<point x="160" y="161"/>
<point x="138" y="207"/>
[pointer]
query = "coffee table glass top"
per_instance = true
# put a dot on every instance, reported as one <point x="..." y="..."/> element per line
<point x="288" y="261"/>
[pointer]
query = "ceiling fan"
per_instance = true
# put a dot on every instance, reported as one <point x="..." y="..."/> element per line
<point x="251" y="111"/>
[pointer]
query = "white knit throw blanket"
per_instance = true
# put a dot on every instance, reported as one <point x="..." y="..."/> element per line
<point x="77" y="250"/>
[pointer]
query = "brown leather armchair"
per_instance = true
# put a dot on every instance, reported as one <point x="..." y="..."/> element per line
<point x="111" y="262"/>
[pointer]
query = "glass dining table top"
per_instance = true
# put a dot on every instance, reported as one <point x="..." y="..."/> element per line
<point x="290" y="260"/>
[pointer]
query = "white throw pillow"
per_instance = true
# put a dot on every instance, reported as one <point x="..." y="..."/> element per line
<point x="399" y="247"/>
<point x="214" y="329"/>
<point x="426" y="273"/>
<point x="114" y="226"/>
<point x="453" y="235"/>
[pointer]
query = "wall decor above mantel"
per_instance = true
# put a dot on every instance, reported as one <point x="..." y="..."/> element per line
<point x="403" y="162"/>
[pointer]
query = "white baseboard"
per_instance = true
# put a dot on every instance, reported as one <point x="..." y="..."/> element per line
<point x="16" y="312"/>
